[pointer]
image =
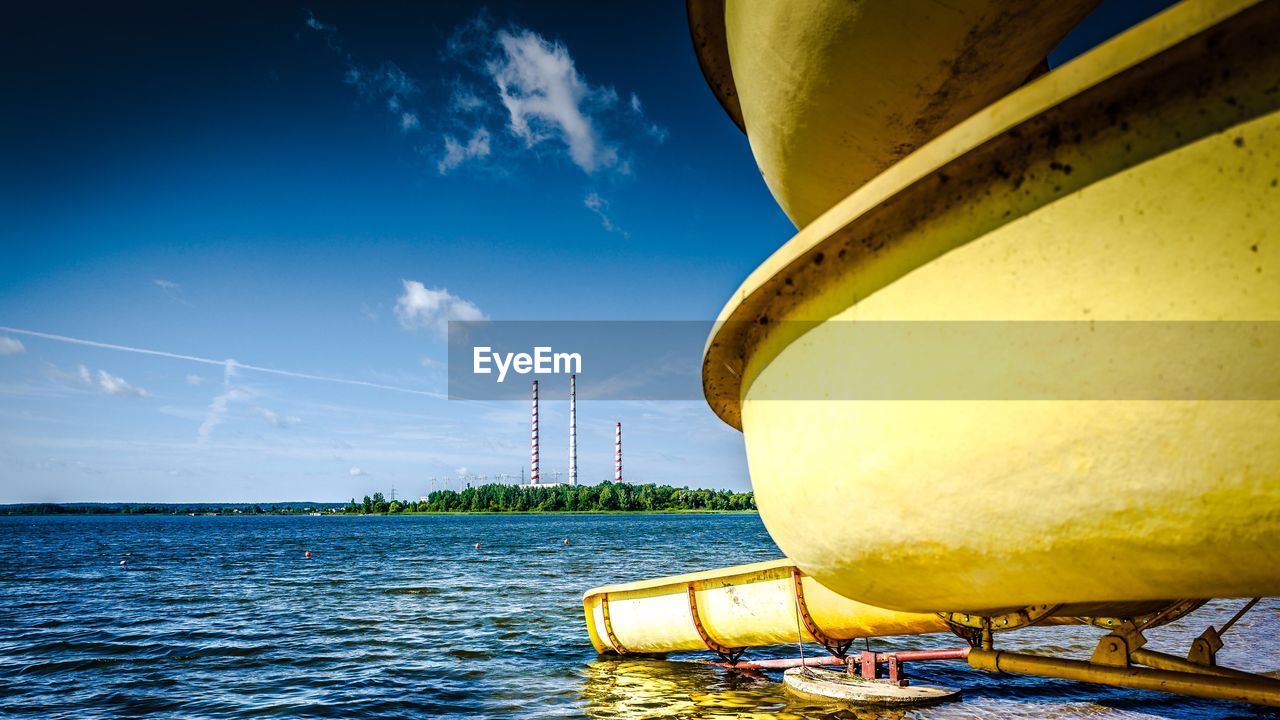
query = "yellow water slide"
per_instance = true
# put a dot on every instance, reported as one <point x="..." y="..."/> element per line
<point x="765" y="603"/>
<point x="1137" y="182"/>
<point x="938" y="175"/>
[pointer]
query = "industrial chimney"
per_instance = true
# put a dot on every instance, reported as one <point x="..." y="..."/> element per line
<point x="533" y="441"/>
<point x="573" y="430"/>
<point x="617" y="452"/>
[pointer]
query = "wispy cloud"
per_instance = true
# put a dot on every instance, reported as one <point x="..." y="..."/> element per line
<point x="546" y="98"/>
<point x="115" y="385"/>
<point x="518" y="78"/>
<point x="277" y="420"/>
<point x="210" y="361"/>
<point x="432" y="308"/>
<point x="315" y="24"/>
<point x="357" y="472"/>
<point x="218" y="406"/>
<point x="101" y="381"/>
<point x="600" y="206"/>
<point x="172" y="290"/>
<point x="11" y="346"/>
<point x="455" y="153"/>
<point x="386" y="82"/>
<point x="193" y="379"/>
<point x="510" y="77"/>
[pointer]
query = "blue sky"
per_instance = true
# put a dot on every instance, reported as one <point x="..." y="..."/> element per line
<point x="259" y="182"/>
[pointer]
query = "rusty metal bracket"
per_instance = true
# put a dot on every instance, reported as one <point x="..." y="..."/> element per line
<point x="1025" y="617"/>
<point x="868" y="668"/>
<point x="1204" y="649"/>
<point x="839" y="648"/>
<point x="618" y="647"/>
<point x="977" y="629"/>
<point x="728" y="654"/>
<point x="1163" y="616"/>
<point x="1115" y="649"/>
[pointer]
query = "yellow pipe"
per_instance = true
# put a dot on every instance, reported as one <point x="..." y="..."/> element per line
<point x="1256" y="690"/>
<point x="1163" y="661"/>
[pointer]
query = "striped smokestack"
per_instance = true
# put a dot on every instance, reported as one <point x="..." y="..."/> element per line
<point x="617" y="452"/>
<point x="573" y="430"/>
<point x="533" y="441"/>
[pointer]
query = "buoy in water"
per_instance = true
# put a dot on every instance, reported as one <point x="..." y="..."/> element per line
<point x="566" y="541"/>
<point x="477" y="546"/>
<point x="307" y="554"/>
<point x="124" y="562"/>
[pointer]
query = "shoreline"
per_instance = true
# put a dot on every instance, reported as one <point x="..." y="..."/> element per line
<point x="268" y="513"/>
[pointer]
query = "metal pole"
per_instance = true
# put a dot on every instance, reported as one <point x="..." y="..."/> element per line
<point x="1257" y="690"/>
<point x="832" y="660"/>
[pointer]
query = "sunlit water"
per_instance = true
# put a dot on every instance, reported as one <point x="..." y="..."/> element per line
<point x="402" y="617"/>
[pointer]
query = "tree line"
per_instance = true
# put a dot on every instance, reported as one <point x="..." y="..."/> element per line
<point x="605" y="497"/>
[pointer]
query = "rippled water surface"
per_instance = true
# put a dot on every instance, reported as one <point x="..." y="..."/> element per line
<point x="402" y="617"/>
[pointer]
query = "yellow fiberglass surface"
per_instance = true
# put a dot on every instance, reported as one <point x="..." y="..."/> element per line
<point x="1136" y="183"/>
<point x="743" y="606"/>
<point x="834" y="91"/>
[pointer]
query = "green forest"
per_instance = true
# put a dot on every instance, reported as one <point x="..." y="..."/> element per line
<point x="605" y="497"/>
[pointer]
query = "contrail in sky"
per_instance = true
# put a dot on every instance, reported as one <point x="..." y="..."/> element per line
<point x="221" y="363"/>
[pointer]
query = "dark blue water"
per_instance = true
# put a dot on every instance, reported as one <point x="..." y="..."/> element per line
<point x="401" y="617"/>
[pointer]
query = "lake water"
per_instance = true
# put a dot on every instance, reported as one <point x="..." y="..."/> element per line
<point x="401" y="617"/>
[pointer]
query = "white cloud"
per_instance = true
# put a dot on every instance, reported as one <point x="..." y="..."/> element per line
<point x="107" y="383"/>
<point x="172" y="290"/>
<point x="462" y="472"/>
<point x="600" y="206"/>
<point x="387" y="81"/>
<point x="357" y="472"/>
<point x="219" y="405"/>
<point x="390" y="79"/>
<point x="510" y="77"/>
<point x="315" y="24"/>
<point x="432" y="308"/>
<point x="655" y="131"/>
<point x="280" y="421"/>
<point x="11" y="346"/>
<point x="113" y="385"/>
<point x="546" y="98"/>
<point x="455" y="153"/>
<point x="464" y="99"/>
<point x="193" y="379"/>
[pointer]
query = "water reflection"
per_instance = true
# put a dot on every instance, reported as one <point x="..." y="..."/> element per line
<point x="631" y="689"/>
<point x="635" y="689"/>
